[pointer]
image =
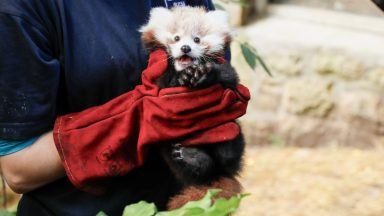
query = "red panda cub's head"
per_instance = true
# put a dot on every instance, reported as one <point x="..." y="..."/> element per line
<point x="189" y="34"/>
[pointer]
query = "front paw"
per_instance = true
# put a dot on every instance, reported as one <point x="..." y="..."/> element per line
<point x="190" y="163"/>
<point x="194" y="75"/>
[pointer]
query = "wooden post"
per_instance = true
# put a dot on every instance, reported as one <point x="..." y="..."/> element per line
<point x="260" y="7"/>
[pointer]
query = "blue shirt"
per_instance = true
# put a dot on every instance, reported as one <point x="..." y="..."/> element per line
<point x="11" y="146"/>
<point x="63" y="56"/>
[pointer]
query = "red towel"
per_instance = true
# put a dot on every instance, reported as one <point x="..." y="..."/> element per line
<point x="110" y="140"/>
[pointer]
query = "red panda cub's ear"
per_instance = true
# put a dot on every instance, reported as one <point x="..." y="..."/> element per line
<point x="219" y="21"/>
<point x="155" y="33"/>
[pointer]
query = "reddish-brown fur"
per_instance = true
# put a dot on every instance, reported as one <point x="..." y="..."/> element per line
<point x="229" y="187"/>
<point x="150" y="41"/>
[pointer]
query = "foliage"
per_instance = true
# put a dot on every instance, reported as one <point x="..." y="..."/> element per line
<point x="6" y="213"/>
<point x="251" y="57"/>
<point x="248" y="51"/>
<point x="276" y="140"/>
<point x="203" y="207"/>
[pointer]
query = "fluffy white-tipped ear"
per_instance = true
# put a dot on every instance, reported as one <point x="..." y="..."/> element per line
<point x="155" y="33"/>
<point x="159" y="16"/>
<point x="160" y="13"/>
<point x="219" y="16"/>
<point x="219" y="23"/>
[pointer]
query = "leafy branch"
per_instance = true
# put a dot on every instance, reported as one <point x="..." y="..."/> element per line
<point x="203" y="207"/>
<point x="248" y="51"/>
<point x="252" y="57"/>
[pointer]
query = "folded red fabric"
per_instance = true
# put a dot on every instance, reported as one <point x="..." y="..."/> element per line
<point x="112" y="139"/>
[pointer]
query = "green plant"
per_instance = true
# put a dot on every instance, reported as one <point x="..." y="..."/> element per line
<point x="203" y="207"/>
<point x="276" y="140"/>
<point x="6" y="213"/>
<point x="248" y="51"/>
<point x="252" y="57"/>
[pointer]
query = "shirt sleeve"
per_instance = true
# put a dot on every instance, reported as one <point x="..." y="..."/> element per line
<point x="29" y="78"/>
<point x="10" y="146"/>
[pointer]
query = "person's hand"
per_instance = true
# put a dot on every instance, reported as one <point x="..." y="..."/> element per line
<point x="111" y="139"/>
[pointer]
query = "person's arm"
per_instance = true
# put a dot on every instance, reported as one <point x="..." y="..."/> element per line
<point x="29" y="79"/>
<point x="32" y="167"/>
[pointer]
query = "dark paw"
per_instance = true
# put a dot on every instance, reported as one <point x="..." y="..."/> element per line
<point x="176" y="152"/>
<point x="194" y="75"/>
<point x="194" y="164"/>
<point x="229" y="155"/>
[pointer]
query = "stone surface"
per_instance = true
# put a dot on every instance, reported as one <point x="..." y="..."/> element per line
<point x="308" y="97"/>
<point x="348" y="68"/>
<point x="258" y="132"/>
<point x="362" y="109"/>
<point x="311" y="132"/>
<point x="376" y="76"/>
<point x="288" y="64"/>
<point x="355" y="6"/>
<point x="269" y="97"/>
<point x="327" y="88"/>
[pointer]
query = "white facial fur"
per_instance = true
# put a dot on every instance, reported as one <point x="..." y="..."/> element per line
<point x="212" y="28"/>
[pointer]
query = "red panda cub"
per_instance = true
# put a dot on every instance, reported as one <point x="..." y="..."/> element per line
<point x="194" y="39"/>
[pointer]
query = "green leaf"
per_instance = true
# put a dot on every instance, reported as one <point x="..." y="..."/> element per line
<point x="183" y="212"/>
<point x="6" y="213"/>
<point x="218" y="6"/>
<point x="204" y="203"/>
<point x="223" y="207"/>
<point x="194" y="207"/>
<point x="276" y="140"/>
<point x="265" y="67"/>
<point x="249" y="55"/>
<point x="204" y="207"/>
<point x="101" y="214"/>
<point x="140" y="209"/>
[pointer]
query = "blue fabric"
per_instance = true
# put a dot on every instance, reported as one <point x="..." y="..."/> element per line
<point x="9" y="146"/>
<point x="63" y="56"/>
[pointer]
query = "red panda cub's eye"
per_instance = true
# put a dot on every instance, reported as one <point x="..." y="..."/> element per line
<point x="196" y="39"/>
<point x="177" y="38"/>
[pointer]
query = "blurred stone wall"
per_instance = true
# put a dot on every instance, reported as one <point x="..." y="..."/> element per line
<point x="355" y="6"/>
<point x="320" y="95"/>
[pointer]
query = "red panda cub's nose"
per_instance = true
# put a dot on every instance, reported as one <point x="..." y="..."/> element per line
<point x="186" y="49"/>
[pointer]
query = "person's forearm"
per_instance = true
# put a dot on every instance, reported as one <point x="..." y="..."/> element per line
<point x="34" y="166"/>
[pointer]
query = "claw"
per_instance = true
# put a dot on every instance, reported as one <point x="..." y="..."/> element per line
<point x="181" y="82"/>
<point x="189" y="71"/>
<point x="177" y="154"/>
<point x="184" y="77"/>
<point x="196" y="75"/>
<point x="201" y="68"/>
<point x="193" y="80"/>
